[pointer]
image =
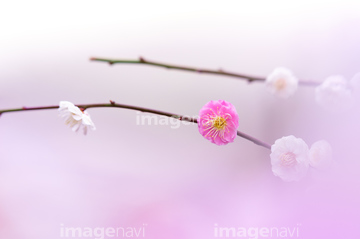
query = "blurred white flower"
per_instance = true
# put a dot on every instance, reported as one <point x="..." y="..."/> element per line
<point x="334" y="93"/>
<point x="321" y="155"/>
<point x="355" y="81"/>
<point x="281" y="82"/>
<point x="290" y="158"/>
<point x="74" y="117"/>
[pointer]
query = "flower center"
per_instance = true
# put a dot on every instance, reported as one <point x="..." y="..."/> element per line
<point x="288" y="159"/>
<point x="219" y="123"/>
<point x="280" y="84"/>
<point x="216" y="124"/>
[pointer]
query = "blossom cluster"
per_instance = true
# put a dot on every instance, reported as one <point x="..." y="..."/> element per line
<point x="334" y="94"/>
<point x="218" y="122"/>
<point x="291" y="157"/>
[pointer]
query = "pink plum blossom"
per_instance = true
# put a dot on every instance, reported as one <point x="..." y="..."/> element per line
<point x="290" y="158"/>
<point x="218" y="122"/>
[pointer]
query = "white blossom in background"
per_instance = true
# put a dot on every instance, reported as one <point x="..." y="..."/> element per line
<point x="75" y="118"/>
<point x="334" y="94"/>
<point x="290" y="158"/>
<point x="281" y="82"/>
<point x="321" y="155"/>
<point x="355" y="81"/>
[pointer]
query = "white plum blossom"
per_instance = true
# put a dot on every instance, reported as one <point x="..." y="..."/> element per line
<point x="290" y="158"/>
<point x="355" y="81"/>
<point x="75" y="117"/>
<point x="334" y="93"/>
<point x="281" y="82"/>
<point x="321" y="155"/>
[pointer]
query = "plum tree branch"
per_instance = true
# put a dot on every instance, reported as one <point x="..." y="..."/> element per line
<point x="221" y="72"/>
<point x="130" y="107"/>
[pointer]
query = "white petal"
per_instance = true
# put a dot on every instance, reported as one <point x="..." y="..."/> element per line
<point x="74" y="117"/>
<point x="334" y="94"/>
<point x="75" y="110"/>
<point x="87" y="120"/>
<point x="355" y="81"/>
<point x="298" y="149"/>
<point x="85" y="130"/>
<point x="321" y="155"/>
<point x="77" y="117"/>
<point x="76" y="127"/>
<point x="65" y="104"/>
<point x="281" y="82"/>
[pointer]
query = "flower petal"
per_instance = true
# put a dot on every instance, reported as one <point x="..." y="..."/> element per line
<point x="295" y="152"/>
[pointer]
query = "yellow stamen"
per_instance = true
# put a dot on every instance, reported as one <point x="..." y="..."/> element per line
<point x="219" y="123"/>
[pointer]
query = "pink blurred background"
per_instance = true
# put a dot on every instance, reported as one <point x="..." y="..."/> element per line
<point x="172" y="180"/>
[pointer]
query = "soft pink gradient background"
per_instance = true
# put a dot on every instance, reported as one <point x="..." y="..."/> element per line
<point x="173" y="180"/>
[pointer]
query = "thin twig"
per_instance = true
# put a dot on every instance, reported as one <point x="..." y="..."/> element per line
<point x="141" y="60"/>
<point x="184" y="68"/>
